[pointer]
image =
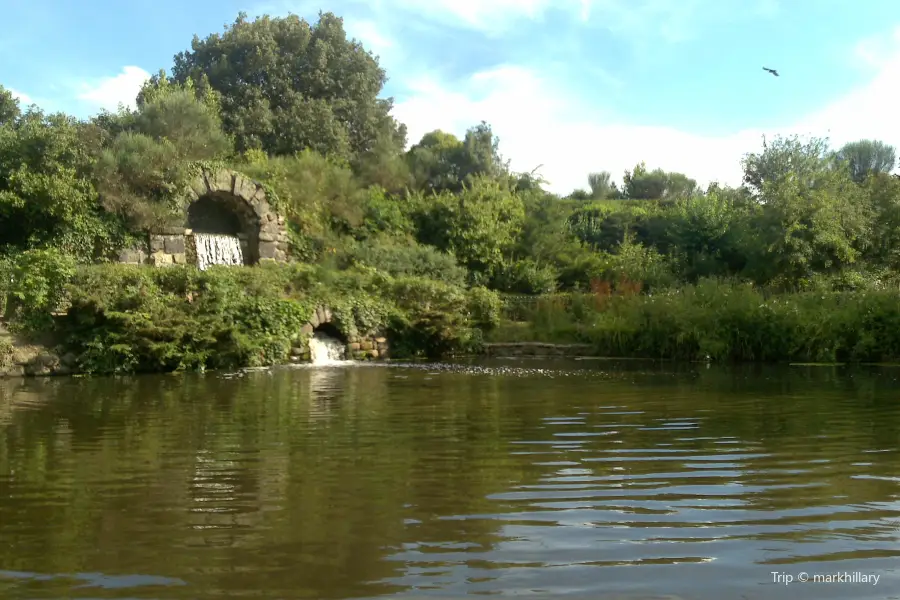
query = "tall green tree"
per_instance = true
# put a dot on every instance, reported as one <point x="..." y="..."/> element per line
<point x="286" y="85"/>
<point x="866" y="157"/>
<point x="815" y="218"/>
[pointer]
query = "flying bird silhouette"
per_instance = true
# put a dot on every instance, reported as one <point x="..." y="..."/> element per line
<point x="772" y="71"/>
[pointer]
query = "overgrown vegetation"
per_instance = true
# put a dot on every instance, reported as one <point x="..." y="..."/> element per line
<point x="797" y="263"/>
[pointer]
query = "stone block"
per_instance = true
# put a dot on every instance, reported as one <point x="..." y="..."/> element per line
<point x="353" y="346"/>
<point x="307" y="329"/>
<point x="243" y="187"/>
<point x="367" y="345"/>
<point x="373" y="353"/>
<point x="380" y="340"/>
<point x="159" y="259"/>
<point x="381" y="346"/>
<point x="173" y="244"/>
<point x="267" y="249"/>
<point x="268" y="237"/>
<point x="295" y="351"/>
<point x="222" y="181"/>
<point x="132" y="257"/>
<point x="157" y="243"/>
<point x="179" y="259"/>
<point x="199" y="186"/>
<point x="269" y="227"/>
<point x="295" y="359"/>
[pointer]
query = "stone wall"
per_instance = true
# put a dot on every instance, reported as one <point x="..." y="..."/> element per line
<point x="19" y="358"/>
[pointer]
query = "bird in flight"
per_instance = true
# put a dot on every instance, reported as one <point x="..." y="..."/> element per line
<point x="772" y="71"/>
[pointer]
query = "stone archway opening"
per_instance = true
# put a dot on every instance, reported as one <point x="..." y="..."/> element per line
<point x="211" y="214"/>
<point x="219" y="202"/>
<point x="220" y="223"/>
<point x="329" y="330"/>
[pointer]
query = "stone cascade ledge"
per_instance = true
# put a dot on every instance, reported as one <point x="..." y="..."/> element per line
<point x="510" y="349"/>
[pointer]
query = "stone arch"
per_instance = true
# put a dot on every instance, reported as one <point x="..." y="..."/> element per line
<point x="322" y="320"/>
<point x="222" y="201"/>
<point x="368" y="346"/>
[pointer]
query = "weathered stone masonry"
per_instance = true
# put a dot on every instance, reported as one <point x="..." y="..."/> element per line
<point x="371" y="345"/>
<point x="244" y="211"/>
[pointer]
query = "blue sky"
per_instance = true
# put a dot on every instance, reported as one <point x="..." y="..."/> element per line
<point x="572" y="85"/>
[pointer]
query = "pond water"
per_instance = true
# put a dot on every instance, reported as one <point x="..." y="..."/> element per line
<point x="576" y="479"/>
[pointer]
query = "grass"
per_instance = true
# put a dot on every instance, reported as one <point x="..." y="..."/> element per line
<point x="719" y="321"/>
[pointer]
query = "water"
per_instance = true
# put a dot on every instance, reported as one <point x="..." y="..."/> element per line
<point x="217" y="249"/>
<point x="325" y="350"/>
<point x="412" y="481"/>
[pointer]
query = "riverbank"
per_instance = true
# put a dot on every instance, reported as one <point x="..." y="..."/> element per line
<point x="716" y="321"/>
<point x="129" y="319"/>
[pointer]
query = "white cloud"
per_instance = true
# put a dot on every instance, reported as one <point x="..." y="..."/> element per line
<point x="541" y="124"/>
<point x="108" y="93"/>
<point x="24" y="99"/>
<point x="368" y="33"/>
<point x="672" y="20"/>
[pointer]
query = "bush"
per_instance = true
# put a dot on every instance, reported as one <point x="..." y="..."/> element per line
<point x="412" y="260"/>
<point x="34" y="285"/>
<point x="727" y="321"/>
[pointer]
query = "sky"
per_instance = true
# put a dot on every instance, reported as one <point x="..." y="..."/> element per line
<point x="569" y="86"/>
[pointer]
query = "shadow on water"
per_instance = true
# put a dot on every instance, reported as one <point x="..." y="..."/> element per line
<point x="576" y="479"/>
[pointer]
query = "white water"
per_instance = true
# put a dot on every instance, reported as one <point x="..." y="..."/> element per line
<point x="216" y="249"/>
<point x="325" y="350"/>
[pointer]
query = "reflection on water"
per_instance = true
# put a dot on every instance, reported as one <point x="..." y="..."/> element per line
<point x="612" y="482"/>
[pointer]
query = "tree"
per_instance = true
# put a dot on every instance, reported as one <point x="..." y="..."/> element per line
<point x="815" y="218"/>
<point x="46" y="196"/>
<point x="602" y="186"/>
<point x="142" y="172"/>
<point x="286" y="86"/>
<point x="9" y="106"/>
<point x="441" y="161"/>
<point x="866" y="157"/>
<point x="786" y="157"/>
<point x="478" y="225"/>
<point x="657" y="184"/>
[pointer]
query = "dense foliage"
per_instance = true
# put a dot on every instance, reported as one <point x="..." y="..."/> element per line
<point x="422" y="232"/>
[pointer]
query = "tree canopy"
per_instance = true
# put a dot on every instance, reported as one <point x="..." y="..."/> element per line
<point x="299" y="106"/>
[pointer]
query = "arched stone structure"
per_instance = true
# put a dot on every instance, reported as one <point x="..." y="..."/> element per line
<point x="360" y="347"/>
<point x="220" y="201"/>
<point x="232" y="193"/>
